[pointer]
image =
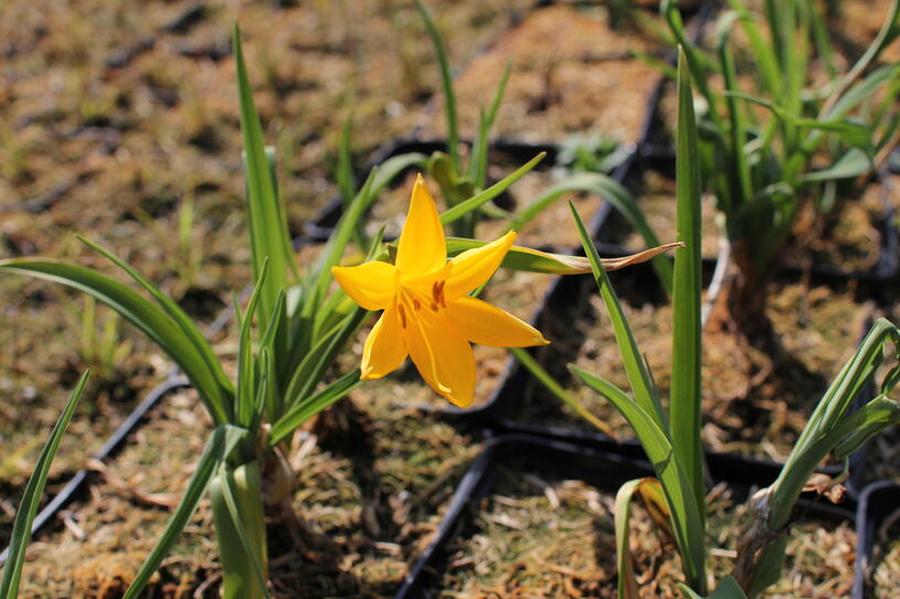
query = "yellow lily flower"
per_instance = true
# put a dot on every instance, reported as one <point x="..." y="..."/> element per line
<point x="428" y="314"/>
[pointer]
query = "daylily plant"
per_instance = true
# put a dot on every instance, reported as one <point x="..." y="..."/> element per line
<point x="428" y="312"/>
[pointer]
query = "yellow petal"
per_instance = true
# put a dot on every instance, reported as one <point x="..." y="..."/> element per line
<point x="422" y="248"/>
<point x="443" y="358"/>
<point x="371" y="285"/>
<point x="385" y="348"/>
<point x="472" y="268"/>
<point x="482" y="323"/>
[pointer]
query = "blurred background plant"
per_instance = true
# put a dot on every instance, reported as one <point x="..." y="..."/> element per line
<point x="105" y="351"/>
<point x="781" y="131"/>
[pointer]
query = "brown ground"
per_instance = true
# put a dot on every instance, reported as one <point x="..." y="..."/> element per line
<point x="570" y="74"/>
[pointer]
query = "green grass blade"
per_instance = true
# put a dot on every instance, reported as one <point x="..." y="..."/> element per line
<point x="314" y="365"/>
<point x="627" y="584"/>
<point x="743" y="187"/>
<point x="463" y="208"/>
<point x="642" y="386"/>
<point x="31" y="497"/>
<point x="220" y="444"/>
<point x="727" y="589"/>
<point x="766" y="61"/>
<point x="245" y="398"/>
<point x="345" y="179"/>
<point x="684" y="401"/>
<point x="479" y="161"/>
<point x="853" y="163"/>
<point x="312" y="405"/>
<point x="886" y="35"/>
<point x="268" y="231"/>
<point x="614" y="193"/>
<point x="653" y="496"/>
<point x="145" y="315"/>
<point x="447" y="83"/>
<point x="687" y="519"/>
<point x="696" y="61"/>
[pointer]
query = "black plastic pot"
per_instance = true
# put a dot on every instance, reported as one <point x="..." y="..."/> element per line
<point x="879" y="505"/>
<point x="597" y="465"/>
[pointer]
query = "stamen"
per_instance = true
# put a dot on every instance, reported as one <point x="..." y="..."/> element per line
<point x="437" y="293"/>
<point x="434" y="307"/>
<point x="402" y="315"/>
<point x="416" y="304"/>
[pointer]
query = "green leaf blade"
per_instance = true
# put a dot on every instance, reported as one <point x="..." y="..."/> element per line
<point x="685" y="401"/>
<point x="31" y="497"/>
<point x="145" y="315"/>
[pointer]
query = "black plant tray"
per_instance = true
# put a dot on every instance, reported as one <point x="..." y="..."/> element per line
<point x="600" y="466"/>
<point x="635" y="284"/>
<point x="173" y="382"/>
<point x="74" y="487"/>
<point x="878" y="504"/>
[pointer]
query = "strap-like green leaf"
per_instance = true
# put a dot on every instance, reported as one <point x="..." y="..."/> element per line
<point x="538" y="372"/>
<point x="687" y="521"/>
<point x="312" y="405"/>
<point x="174" y="311"/>
<point x="852" y="164"/>
<point x="479" y="159"/>
<point x="531" y="260"/>
<point x="479" y="199"/>
<point x="314" y="365"/>
<point x="684" y="399"/>
<point x="147" y="316"/>
<point x="220" y="444"/>
<point x="245" y="397"/>
<point x="642" y="386"/>
<point x="447" y="83"/>
<point x="31" y="497"/>
<point x="345" y="179"/>
<point x="230" y="495"/>
<point x="269" y="236"/>
<point x="611" y="191"/>
<point x="627" y="584"/>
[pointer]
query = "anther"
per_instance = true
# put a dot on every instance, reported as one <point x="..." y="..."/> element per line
<point x="402" y="316"/>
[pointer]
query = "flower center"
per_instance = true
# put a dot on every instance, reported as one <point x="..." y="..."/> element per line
<point x="413" y="300"/>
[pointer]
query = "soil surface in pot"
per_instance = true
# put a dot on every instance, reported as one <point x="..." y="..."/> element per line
<point x="818" y="328"/>
<point x="371" y="483"/>
<point x="545" y="537"/>
<point x="571" y="72"/>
